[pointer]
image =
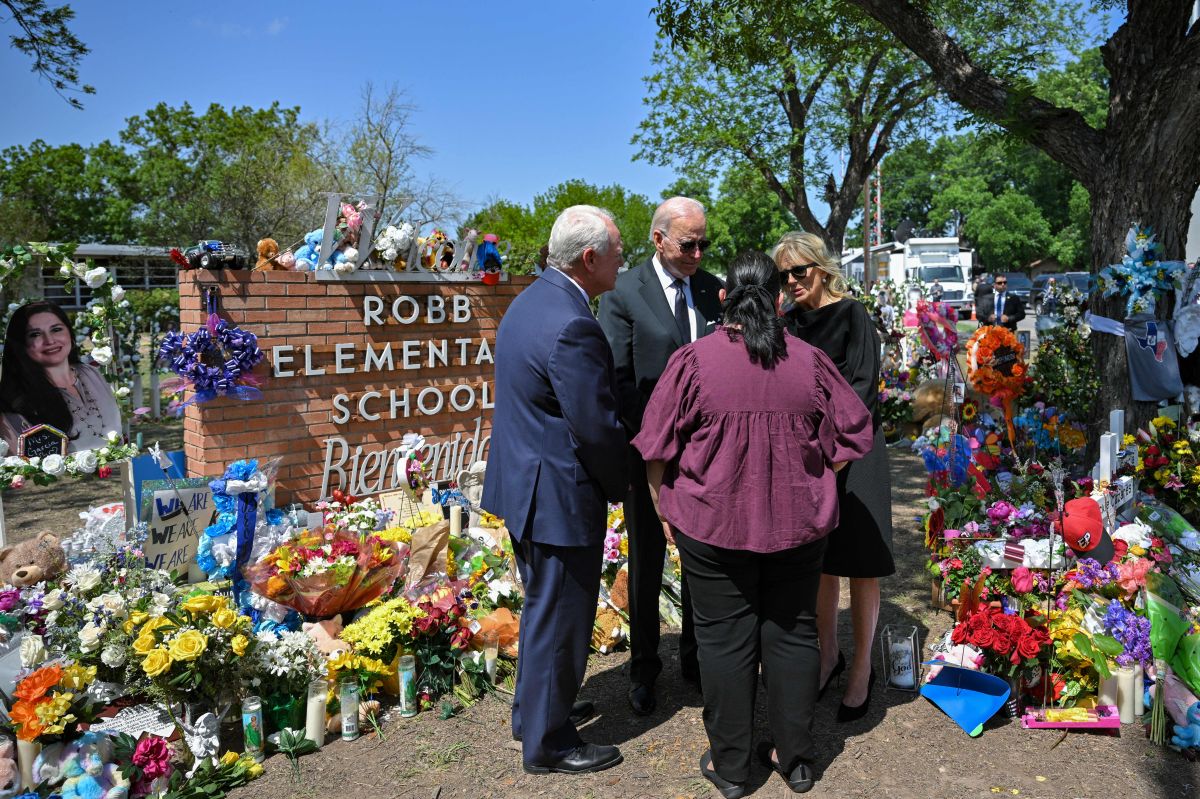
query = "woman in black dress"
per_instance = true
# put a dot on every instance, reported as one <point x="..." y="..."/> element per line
<point x="860" y="548"/>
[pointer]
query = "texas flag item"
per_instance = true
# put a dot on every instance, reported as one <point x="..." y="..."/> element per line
<point x="1153" y="366"/>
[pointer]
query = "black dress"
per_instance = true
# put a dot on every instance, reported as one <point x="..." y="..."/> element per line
<point x="861" y="544"/>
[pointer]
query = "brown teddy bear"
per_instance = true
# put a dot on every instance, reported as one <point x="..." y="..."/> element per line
<point x="268" y="255"/>
<point x="32" y="560"/>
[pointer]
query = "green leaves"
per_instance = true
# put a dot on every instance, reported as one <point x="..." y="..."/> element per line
<point x="1100" y="649"/>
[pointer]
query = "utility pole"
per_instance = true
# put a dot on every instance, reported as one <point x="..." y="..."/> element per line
<point x="868" y="264"/>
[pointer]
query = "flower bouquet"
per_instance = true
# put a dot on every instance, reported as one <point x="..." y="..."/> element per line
<point x="325" y="572"/>
<point x="285" y="662"/>
<point x="51" y="702"/>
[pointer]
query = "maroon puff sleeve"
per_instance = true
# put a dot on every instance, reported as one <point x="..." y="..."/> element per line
<point x="845" y="430"/>
<point x="671" y="414"/>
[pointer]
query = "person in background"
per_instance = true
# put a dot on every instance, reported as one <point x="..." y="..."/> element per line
<point x="43" y="380"/>
<point x="750" y="514"/>
<point x="936" y="291"/>
<point x="861" y="546"/>
<point x="999" y="306"/>
<point x="657" y="307"/>
<point x="558" y="456"/>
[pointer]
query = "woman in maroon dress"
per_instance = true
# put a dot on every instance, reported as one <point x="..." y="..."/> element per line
<point x="742" y="438"/>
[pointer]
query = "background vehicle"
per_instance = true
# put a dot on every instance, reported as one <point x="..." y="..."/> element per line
<point x="926" y="260"/>
<point x="1020" y="285"/>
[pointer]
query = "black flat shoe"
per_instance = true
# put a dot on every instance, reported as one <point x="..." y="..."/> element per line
<point x="846" y="713"/>
<point x="800" y="780"/>
<point x="641" y="699"/>
<point x="729" y="790"/>
<point x="837" y="672"/>
<point x="582" y="760"/>
<point x="581" y="713"/>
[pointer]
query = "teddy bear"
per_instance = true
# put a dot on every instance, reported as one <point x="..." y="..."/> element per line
<point x="85" y="768"/>
<point x="268" y="255"/>
<point x="32" y="561"/>
<point x="326" y="633"/>
<point x="1185" y="737"/>
<point x="608" y="631"/>
<point x="9" y="777"/>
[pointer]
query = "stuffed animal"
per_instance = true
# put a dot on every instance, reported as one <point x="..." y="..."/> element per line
<point x="84" y="767"/>
<point x="608" y="631"/>
<point x="9" y="776"/>
<point x="32" y="561"/>
<point x="1187" y="736"/>
<point x="326" y="633"/>
<point x="268" y="255"/>
<point x="619" y="593"/>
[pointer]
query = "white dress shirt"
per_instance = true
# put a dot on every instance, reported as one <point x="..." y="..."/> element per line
<point x="666" y="279"/>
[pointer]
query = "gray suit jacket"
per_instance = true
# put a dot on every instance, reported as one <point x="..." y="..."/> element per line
<point x="640" y="326"/>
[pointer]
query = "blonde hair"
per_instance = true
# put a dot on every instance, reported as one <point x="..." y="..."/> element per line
<point x="809" y="248"/>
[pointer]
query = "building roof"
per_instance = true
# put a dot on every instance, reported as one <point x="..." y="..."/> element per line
<point x="121" y="251"/>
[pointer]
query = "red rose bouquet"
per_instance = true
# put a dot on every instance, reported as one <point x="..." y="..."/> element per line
<point x="1009" y="642"/>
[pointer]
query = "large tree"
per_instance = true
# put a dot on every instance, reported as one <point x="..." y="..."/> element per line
<point x="44" y="35"/>
<point x="792" y="88"/>
<point x="1142" y="165"/>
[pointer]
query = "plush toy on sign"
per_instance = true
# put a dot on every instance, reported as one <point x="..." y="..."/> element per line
<point x="342" y="255"/>
<point x="84" y="767"/>
<point x="429" y="247"/>
<point x="32" y="561"/>
<point x="489" y="261"/>
<point x="268" y="255"/>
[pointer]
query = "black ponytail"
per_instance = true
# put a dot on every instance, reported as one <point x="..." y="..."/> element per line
<point x="750" y="292"/>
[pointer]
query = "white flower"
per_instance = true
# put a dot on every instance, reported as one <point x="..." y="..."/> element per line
<point x="33" y="651"/>
<point x="80" y="269"/>
<point x="343" y="267"/>
<point x="95" y="278"/>
<point x="13" y="461"/>
<point x="102" y="355"/>
<point x="53" y="600"/>
<point x="53" y="465"/>
<point x="51" y="619"/>
<point x="112" y="656"/>
<point x="112" y="602"/>
<point x="3" y="448"/>
<point x="84" y="578"/>
<point x="118" y="293"/>
<point x="113" y="437"/>
<point x="123" y="391"/>
<point x="64" y="271"/>
<point x="98" y="312"/>
<point x="389" y="254"/>
<point x="411" y="442"/>
<point x="89" y="637"/>
<point x="159" y="603"/>
<point x="86" y="461"/>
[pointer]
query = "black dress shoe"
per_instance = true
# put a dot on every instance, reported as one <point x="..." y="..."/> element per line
<point x="727" y="789"/>
<point x="641" y="699"/>
<point x="581" y="760"/>
<point x="846" y="713"/>
<point x="837" y="672"/>
<point x="800" y="780"/>
<point x="581" y="712"/>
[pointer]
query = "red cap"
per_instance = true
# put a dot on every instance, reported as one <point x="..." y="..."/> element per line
<point x="1083" y="530"/>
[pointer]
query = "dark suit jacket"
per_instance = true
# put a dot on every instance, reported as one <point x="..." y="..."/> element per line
<point x="1014" y="308"/>
<point x="640" y="325"/>
<point x="557" y="452"/>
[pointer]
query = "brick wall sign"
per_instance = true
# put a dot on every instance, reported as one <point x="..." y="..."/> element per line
<point x="353" y="363"/>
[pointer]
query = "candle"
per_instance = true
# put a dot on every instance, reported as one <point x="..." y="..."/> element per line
<point x="407" y="666"/>
<point x="1139" y="691"/>
<point x="1107" y="695"/>
<point x="902" y="665"/>
<point x="349" y="701"/>
<point x="27" y="751"/>
<point x="314" y="718"/>
<point x="456" y="520"/>
<point x="491" y="650"/>
<point x="1125" y="689"/>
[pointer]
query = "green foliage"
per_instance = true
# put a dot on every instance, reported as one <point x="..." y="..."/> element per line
<point x="45" y="37"/>
<point x="529" y="228"/>
<point x="1008" y="232"/>
<point x="1064" y="371"/>
<point x="745" y="216"/>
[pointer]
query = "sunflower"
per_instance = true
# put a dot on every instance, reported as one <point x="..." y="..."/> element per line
<point x="970" y="410"/>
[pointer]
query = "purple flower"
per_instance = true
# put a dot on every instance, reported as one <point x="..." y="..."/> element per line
<point x="1131" y="630"/>
<point x="999" y="512"/>
<point x="9" y="599"/>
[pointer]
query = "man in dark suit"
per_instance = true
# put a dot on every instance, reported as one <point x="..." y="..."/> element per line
<point x="656" y="308"/>
<point x="557" y="458"/>
<point x="999" y="307"/>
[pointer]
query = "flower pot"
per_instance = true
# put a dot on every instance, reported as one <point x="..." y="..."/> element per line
<point x="390" y="684"/>
<point x="284" y="711"/>
<point x="1012" y="707"/>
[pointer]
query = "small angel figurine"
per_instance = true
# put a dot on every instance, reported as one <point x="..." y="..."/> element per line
<point x="203" y="739"/>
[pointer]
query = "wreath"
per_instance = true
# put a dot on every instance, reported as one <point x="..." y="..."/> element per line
<point x="214" y="361"/>
<point x="1141" y="275"/>
<point x="996" y="367"/>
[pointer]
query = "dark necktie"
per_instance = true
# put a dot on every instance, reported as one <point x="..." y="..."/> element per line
<point x="999" y="304"/>
<point x="681" y="311"/>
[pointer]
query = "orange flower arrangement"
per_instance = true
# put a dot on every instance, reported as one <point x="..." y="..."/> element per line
<point x="35" y="686"/>
<point x="996" y="366"/>
<point x="40" y="710"/>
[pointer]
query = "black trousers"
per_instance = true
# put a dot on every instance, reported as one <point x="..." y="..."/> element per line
<point x="647" y="548"/>
<point x="750" y="609"/>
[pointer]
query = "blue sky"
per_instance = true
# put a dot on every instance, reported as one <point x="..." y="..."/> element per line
<point x="513" y="97"/>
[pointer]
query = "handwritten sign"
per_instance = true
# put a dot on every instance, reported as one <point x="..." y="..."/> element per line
<point x="136" y="720"/>
<point x="176" y="513"/>
<point x="40" y="441"/>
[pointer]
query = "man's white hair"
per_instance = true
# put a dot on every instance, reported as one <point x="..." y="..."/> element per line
<point x="576" y="229"/>
<point x="671" y="210"/>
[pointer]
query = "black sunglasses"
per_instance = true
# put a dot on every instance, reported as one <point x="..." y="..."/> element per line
<point x="690" y="244"/>
<point x="797" y="273"/>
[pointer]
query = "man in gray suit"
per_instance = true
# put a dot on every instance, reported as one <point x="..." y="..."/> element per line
<point x="656" y="308"/>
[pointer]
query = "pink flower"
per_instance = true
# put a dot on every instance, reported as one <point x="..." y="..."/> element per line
<point x="153" y="757"/>
<point x="951" y="534"/>
<point x="1022" y="580"/>
<point x="1133" y="574"/>
<point x="17" y="482"/>
<point x="1173" y="482"/>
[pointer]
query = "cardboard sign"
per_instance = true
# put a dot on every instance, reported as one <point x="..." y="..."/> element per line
<point x="176" y="511"/>
<point x="138" y="720"/>
<point x="40" y="441"/>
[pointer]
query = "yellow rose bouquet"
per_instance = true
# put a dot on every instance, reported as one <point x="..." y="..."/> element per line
<point x="193" y="652"/>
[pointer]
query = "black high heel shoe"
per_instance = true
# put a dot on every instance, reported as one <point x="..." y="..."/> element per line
<point x="846" y="713"/>
<point x="837" y="672"/>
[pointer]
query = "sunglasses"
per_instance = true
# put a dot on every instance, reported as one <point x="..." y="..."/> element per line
<point x="690" y="244"/>
<point x="1001" y="283"/>
<point x="797" y="273"/>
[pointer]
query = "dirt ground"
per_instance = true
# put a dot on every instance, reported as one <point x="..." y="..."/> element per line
<point x="904" y="747"/>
